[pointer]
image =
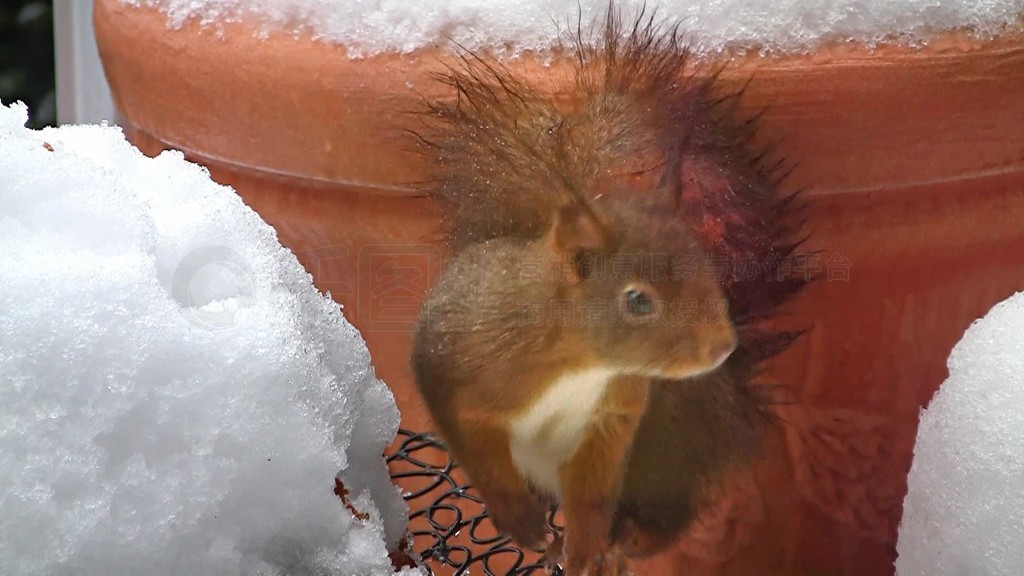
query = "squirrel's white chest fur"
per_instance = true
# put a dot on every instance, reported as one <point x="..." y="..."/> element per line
<point x="547" y="434"/>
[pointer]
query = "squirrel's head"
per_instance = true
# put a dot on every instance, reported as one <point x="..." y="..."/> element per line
<point x="644" y="295"/>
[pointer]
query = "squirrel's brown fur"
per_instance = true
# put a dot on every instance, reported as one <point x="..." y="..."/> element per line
<point x="640" y="118"/>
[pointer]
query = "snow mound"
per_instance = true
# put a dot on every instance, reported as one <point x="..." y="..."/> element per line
<point x="964" y="511"/>
<point x="175" y="395"/>
<point x="369" y="27"/>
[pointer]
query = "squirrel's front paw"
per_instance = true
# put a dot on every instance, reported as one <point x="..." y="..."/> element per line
<point x="522" y="518"/>
<point x="553" y="554"/>
<point x="590" y="556"/>
<point x="612" y="562"/>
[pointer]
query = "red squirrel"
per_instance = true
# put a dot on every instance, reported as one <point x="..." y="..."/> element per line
<point x="579" y="348"/>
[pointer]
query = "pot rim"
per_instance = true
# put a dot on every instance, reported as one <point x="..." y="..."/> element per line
<point x="291" y="107"/>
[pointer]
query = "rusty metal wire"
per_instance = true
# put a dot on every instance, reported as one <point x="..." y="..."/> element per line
<point x="448" y="521"/>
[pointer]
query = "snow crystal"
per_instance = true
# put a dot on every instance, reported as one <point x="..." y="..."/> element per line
<point x="964" y="511"/>
<point x="175" y="395"/>
<point x="372" y="26"/>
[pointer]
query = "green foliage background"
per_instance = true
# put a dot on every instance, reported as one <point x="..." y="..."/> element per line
<point x="26" y="58"/>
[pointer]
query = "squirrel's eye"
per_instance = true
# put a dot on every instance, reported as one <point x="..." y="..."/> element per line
<point x="638" y="303"/>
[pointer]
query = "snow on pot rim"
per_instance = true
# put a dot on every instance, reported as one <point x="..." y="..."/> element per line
<point x="791" y="26"/>
<point x="857" y="117"/>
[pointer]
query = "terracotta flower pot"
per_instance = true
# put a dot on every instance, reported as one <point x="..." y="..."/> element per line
<point x="913" y="162"/>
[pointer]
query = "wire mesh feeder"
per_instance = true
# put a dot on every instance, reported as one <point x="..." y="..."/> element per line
<point x="448" y="522"/>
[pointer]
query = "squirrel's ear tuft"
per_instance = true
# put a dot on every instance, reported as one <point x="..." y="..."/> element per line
<point x="579" y="236"/>
<point x="668" y="190"/>
<point x="577" y="229"/>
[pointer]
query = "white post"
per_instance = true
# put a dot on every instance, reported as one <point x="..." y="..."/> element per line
<point x="82" y="93"/>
